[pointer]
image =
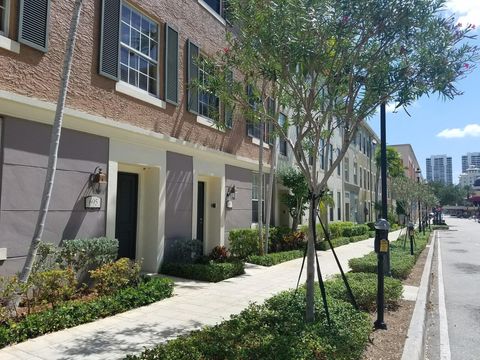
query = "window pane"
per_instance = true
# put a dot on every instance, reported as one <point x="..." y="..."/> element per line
<point x="135" y="40"/>
<point x="133" y="60"/>
<point x="125" y="14"/>
<point x="153" y="50"/>
<point x="124" y="56"/>
<point x="136" y="20"/>
<point x="125" y="31"/>
<point x="124" y="73"/>
<point x="145" y="26"/>
<point x="133" y="77"/>
<point x="143" y="66"/>
<point x="152" y="86"/>
<point x="143" y="82"/>
<point x="145" y="45"/>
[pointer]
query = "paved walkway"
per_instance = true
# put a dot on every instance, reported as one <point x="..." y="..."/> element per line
<point x="194" y="305"/>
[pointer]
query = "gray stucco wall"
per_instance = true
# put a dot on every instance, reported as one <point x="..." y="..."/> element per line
<point x="23" y="170"/>
<point x="240" y="216"/>
<point x="179" y="202"/>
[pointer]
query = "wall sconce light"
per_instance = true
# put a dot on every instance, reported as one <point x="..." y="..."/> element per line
<point x="231" y="193"/>
<point x="98" y="181"/>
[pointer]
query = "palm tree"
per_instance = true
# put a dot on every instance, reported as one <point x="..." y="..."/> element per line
<point x="54" y="144"/>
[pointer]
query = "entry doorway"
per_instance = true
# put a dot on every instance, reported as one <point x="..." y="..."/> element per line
<point x="126" y="214"/>
<point x="201" y="211"/>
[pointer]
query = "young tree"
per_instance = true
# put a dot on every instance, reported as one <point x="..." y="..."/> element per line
<point x="297" y="198"/>
<point x="54" y="144"/>
<point x="332" y="63"/>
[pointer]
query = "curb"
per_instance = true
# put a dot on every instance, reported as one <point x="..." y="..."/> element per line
<point x="414" y="344"/>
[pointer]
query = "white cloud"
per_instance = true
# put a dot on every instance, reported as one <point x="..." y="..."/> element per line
<point x="467" y="11"/>
<point x="472" y="130"/>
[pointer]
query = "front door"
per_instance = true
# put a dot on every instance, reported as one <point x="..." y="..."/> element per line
<point x="126" y="218"/>
<point x="201" y="211"/>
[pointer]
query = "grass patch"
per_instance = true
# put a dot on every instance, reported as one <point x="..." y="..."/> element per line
<point x="401" y="261"/>
<point x="211" y="271"/>
<point x="275" y="258"/>
<point x="76" y="312"/>
<point x="440" y="227"/>
<point x="275" y="330"/>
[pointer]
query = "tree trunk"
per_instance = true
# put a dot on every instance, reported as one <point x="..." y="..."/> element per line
<point x="310" y="309"/>
<point x="269" y="199"/>
<point x="54" y="144"/>
<point x="260" y="188"/>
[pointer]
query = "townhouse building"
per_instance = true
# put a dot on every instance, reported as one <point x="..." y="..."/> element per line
<point x="140" y="157"/>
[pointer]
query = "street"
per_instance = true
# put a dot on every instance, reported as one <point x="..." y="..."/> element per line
<point x="453" y="325"/>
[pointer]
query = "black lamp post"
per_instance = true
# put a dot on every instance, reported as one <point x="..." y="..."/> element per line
<point x="381" y="235"/>
<point x="418" y="172"/>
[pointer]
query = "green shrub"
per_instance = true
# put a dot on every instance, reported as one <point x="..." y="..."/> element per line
<point x="88" y="254"/>
<point x="319" y="231"/>
<point x="336" y="242"/>
<point x="401" y="262"/>
<point x="74" y="313"/>
<point x="211" y="271"/>
<point x="52" y="286"/>
<point x="337" y="228"/>
<point x="275" y="330"/>
<point x="275" y="258"/>
<point x="118" y="275"/>
<point x="440" y="227"/>
<point x="355" y="230"/>
<point x="277" y="236"/>
<point x="219" y="254"/>
<point x="364" y="288"/>
<point x="244" y="242"/>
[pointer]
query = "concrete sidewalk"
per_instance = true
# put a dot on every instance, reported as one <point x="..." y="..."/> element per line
<point x="195" y="304"/>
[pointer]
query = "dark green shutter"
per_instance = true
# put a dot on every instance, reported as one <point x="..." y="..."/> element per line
<point x="33" y="23"/>
<point x="228" y="107"/>
<point x="192" y="75"/>
<point x="110" y="38"/>
<point x="171" y="65"/>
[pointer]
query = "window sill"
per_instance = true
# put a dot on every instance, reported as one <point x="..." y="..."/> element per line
<point x="139" y="94"/>
<point x="212" y="12"/>
<point x="9" y="44"/>
<point x="256" y="141"/>
<point x="208" y="122"/>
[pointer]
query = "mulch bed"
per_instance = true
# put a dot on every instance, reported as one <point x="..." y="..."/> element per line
<point x="388" y="345"/>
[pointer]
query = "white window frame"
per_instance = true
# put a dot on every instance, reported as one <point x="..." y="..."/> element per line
<point x="256" y="185"/>
<point x="139" y="53"/>
<point x="201" y="77"/>
<point x="6" y="18"/>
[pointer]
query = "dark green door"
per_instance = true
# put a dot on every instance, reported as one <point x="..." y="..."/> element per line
<point x="126" y="218"/>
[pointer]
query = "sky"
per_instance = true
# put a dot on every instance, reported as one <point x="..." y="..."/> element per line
<point x="436" y="126"/>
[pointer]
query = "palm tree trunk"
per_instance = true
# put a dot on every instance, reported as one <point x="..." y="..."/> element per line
<point x="269" y="199"/>
<point x="260" y="188"/>
<point x="54" y="144"/>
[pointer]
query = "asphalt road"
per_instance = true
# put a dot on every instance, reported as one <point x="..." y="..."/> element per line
<point x="460" y="268"/>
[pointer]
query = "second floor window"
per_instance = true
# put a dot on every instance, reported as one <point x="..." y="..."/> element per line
<point x="216" y="5"/>
<point x="139" y="50"/>
<point x="3" y="16"/>
<point x="346" y="163"/>
<point x="208" y="103"/>
<point x="355" y="175"/>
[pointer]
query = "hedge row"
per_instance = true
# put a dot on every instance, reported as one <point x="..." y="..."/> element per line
<point x="440" y="227"/>
<point x="275" y="330"/>
<point x="364" y="288"/>
<point x="324" y="245"/>
<point x="77" y="312"/>
<point x="211" y="271"/>
<point x="401" y="262"/>
<point x="275" y="258"/>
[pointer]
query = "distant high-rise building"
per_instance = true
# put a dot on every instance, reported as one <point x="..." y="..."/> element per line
<point x="470" y="159"/>
<point x="439" y="169"/>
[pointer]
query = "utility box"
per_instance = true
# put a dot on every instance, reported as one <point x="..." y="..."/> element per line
<point x="381" y="236"/>
<point x="3" y="254"/>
